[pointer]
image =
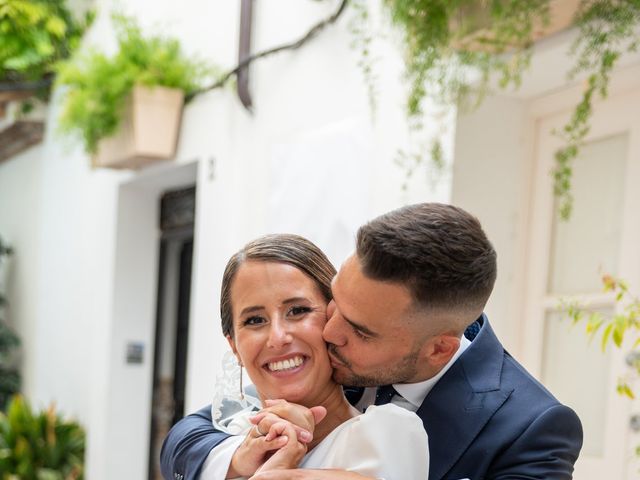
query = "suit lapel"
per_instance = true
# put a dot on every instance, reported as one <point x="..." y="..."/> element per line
<point x="463" y="401"/>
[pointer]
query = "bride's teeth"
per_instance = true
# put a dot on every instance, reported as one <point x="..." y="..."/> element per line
<point x="286" y="364"/>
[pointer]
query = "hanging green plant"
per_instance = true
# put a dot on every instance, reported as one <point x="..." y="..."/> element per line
<point x="97" y="86"/>
<point x="455" y="50"/>
<point x="608" y="28"/>
<point x="36" y="34"/>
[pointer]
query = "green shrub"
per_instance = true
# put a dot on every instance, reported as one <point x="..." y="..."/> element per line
<point x="98" y="85"/>
<point x="9" y="374"/>
<point x="39" y="445"/>
<point x="9" y="341"/>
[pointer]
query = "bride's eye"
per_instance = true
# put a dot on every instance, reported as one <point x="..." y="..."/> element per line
<point x="252" y="321"/>
<point x="299" y="310"/>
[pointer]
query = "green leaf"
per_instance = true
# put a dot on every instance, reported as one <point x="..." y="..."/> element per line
<point x="56" y="26"/>
<point x="624" y="389"/>
<point x="605" y="336"/>
<point x="594" y="323"/>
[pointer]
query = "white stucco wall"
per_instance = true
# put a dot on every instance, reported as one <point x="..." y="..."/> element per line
<point x="20" y="206"/>
<point x="492" y="175"/>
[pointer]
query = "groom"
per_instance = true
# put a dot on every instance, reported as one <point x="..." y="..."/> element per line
<point x="407" y="311"/>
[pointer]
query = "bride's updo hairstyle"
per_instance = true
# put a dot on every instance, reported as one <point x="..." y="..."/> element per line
<point x="278" y="248"/>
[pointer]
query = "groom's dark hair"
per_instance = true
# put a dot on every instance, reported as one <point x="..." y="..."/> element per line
<point x="439" y="252"/>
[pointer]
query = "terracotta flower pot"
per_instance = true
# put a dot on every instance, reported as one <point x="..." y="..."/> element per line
<point x="148" y="131"/>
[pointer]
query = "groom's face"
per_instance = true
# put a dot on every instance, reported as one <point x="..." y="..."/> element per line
<point x="372" y="333"/>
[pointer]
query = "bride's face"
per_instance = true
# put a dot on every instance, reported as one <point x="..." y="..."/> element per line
<point x="278" y="317"/>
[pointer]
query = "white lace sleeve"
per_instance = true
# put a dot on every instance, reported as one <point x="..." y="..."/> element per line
<point x="230" y="408"/>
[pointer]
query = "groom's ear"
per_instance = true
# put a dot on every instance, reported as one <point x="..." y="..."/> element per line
<point x="437" y="351"/>
<point x="232" y="344"/>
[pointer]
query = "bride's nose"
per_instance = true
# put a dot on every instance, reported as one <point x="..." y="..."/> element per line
<point x="279" y="334"/>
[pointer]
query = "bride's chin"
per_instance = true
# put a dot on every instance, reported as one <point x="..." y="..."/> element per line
<point x="294" y="395"/>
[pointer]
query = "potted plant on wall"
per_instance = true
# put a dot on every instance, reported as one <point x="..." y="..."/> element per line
<point x="127" y="108"/>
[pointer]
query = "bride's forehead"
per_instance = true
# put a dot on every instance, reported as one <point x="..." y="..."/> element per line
<point x="269" y="274"/>
<point x="271" y="280"/>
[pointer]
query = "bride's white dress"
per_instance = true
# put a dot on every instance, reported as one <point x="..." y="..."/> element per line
<point x="386" y="442"/>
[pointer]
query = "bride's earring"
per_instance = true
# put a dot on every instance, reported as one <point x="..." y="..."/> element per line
<point x="241" y="389"/>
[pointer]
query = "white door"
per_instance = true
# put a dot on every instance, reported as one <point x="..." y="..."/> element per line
<point x="569" y="258"/>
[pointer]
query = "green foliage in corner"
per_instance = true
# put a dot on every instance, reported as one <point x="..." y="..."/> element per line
<point x="614" y="328"/>
<point x="620" y="329"/>
<point x="35" y="35"/>
<point x="97" y="85"/>
<point x="39" y="445"/>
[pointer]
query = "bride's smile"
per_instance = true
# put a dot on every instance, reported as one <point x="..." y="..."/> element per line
<point x="288" y="364"/>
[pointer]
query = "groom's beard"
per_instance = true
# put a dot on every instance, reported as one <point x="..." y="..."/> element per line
<point x="403" y="371"/>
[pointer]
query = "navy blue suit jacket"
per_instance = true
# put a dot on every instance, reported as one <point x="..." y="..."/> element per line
<point x="487" y="418"/>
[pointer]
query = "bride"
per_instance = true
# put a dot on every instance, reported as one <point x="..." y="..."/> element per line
<point x="274" y="299"/>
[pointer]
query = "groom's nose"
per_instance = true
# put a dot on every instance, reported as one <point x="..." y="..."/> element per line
<point x="331" y="309"/>
<point x="332" y="332"/>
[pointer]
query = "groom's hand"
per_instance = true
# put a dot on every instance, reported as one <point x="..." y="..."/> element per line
<point x="253" y="452"/>
<point x="302" y="419"/>
<point x="304" y="474"/>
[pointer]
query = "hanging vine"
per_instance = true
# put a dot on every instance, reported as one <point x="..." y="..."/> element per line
<point x="456" y="50"/>
<point x="607" y="30"/>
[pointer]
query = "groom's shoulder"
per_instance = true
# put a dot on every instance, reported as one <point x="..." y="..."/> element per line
<point x="490" y="365"/>
<point x="526" y="388"/>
